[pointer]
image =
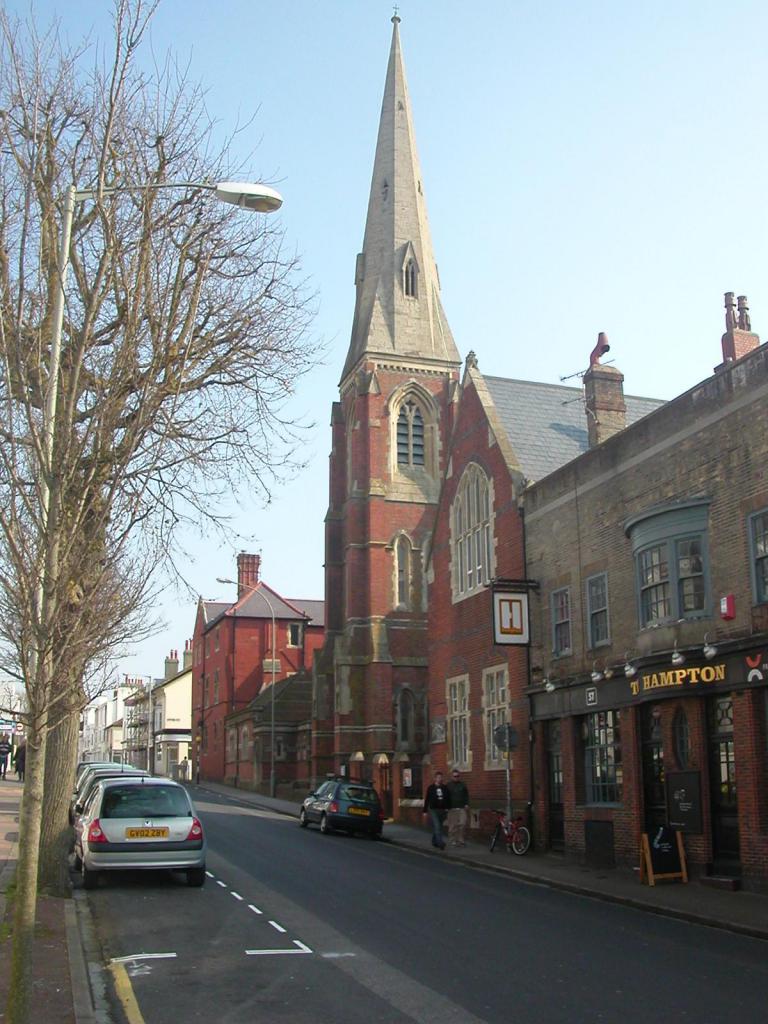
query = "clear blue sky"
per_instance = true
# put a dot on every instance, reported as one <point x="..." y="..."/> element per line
<point x="588" y="167"/>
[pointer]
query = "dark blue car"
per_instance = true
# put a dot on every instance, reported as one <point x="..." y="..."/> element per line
<point x="346" y="806"/>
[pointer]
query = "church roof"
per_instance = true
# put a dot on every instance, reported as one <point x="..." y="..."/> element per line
<point x="546" y="423"/>
<point x="395" y="319"/>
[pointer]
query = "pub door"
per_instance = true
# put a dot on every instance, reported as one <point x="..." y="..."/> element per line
<point x="555" y="785"/>
<point x="722" y="784"/>
<point x="654" y="797"/>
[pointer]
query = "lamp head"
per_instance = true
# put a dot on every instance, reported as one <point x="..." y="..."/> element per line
<point x="249" y="196"/>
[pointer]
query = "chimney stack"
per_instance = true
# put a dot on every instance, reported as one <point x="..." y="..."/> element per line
<point x="739" y="338"/>
<point x="187" y="663"/>
<point x="604" y="394"/>
<point x="247" y="572"/>
<point x="172" y="665"/>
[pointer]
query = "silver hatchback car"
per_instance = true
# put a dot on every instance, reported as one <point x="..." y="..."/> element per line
<point x="139" y="823"/>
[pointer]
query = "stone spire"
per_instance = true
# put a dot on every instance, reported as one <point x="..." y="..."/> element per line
<point x="398" y="312"/>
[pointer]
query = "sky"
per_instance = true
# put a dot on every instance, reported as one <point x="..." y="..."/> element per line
<point x="587" y="167"/>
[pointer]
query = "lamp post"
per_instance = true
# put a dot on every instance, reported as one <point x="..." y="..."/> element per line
<point x="257" y="590"/>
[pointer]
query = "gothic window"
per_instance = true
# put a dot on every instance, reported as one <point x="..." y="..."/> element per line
<point x="405" y="718"/>
<point x="410" y="435"/>
<point x="471" y="540"/>
<point x="410" y="279"/>
<point x="403" y="559"/>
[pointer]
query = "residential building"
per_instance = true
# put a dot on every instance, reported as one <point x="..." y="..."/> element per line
<point x="100" y="734"/>
<point x="239" y="650"/>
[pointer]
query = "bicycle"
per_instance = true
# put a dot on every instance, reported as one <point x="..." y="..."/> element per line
<point x="516" y="835"/>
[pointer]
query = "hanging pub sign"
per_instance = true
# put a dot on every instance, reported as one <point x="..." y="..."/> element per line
<point x="510" y="617"/>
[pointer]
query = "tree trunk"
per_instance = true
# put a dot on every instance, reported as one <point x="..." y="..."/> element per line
<point x="56" y="832"/>
<point x="25" y="902"/>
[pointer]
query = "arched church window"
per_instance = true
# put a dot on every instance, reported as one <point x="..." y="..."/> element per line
<point x="410" y="279"/>
<point x="410" y="435"/>
<point x="403" y="558"/>
<point x="405" y="718"/>
<point x="471" y="532"/>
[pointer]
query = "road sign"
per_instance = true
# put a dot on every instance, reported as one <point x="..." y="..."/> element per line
<point x="505" y="737"/>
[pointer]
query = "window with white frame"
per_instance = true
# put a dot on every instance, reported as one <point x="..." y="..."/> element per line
<point x="561" y="621"/>
<point x="601" y="734"/>
<point x="458" y="721"/>
<point x="758" y="541"/>
<point x="295" y="634"/>
<point x="495" y="711"/>
<point x="597" y="610"/>
<point x="471" y="532"/>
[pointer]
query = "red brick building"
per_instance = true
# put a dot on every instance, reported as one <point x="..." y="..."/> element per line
<point x="390" y="428"/>
<point x="235" y="660"/>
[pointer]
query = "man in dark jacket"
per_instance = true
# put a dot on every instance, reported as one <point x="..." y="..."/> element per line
<point x="5" y="750"/>
<point x="20" y="761"/>
<point x="437" y="803"/>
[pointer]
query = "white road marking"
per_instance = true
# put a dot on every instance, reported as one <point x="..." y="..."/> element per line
<point x="255" y="909"/>
<point x="209" y="874"/>
<point x="336" y="956"/>
<point x="302" y="947"/>
<point x="237" y="895"/>
<point x="275" y="952"/>
<point x="143" y="956"/>
<point x="277" y="927"/>
<point x="222" y="884"/>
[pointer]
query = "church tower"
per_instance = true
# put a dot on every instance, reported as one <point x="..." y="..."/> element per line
<point x="397" y="395"/>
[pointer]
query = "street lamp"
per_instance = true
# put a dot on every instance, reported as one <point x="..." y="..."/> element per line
<point x="256" y="589"/>
<point x="251" y="196"/>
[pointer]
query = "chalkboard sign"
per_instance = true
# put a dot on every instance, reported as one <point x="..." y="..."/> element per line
<point x="662" y="855"/>
<point x="684" y="802"/>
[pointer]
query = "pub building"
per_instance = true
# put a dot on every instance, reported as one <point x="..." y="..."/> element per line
<point x="648" y="685"/>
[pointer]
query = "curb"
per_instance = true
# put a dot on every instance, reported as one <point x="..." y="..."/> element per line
<point x="92" y="979"/>
<point x="82" y="999"/>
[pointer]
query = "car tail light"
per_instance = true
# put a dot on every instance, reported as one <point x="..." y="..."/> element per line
<point x="196" y="831"/>
<point x="333" y="807"/>
<point x="381" y="815"/>
<point x="96" y="833"/>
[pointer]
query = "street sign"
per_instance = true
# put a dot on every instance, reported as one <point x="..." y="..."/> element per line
<point x="505" y="737"/>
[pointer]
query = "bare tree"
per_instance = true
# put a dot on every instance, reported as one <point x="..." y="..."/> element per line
<point x="184" y="330"/>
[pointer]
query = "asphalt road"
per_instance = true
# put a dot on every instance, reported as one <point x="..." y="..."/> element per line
<point x="296" y="926"/>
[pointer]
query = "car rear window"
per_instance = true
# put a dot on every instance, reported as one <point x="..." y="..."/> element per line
<point x="360" y="794"/>
<point x="145" y="802"/>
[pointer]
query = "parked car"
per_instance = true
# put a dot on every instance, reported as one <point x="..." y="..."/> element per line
<point x="341" y="804"/>
<point x="90" y="781"/>
<point x="86" y="780"/>
<point x="139" y="823"/>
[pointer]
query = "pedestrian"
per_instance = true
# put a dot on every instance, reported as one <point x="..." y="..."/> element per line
<point x="5" y="750"/>
<point x="437" y="803"/>
<point x="183" y="767"/>
<point x="20" y="761"/>
<point x="457" y="815"/>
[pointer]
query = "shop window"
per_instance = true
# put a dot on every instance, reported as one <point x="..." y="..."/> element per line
<point x="495" y="711"/>
<point x="458" y="722"/>
<point x="561" y="621"/>
<point x="597" y="610"/>
<point x="758" y="539"/>
<point x="601" y="734"/>
<point x="682" y="738"/>
<point x="471" y="521"/>
<point x="670" y="550"/>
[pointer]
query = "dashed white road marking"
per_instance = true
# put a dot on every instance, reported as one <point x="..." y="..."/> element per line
<point x="222" y="884"/>
<point x="302" y="947"/>
<point x="255" y="909"/>
<point x="237" y="895"/>
<point x="336" y="956"/>
<point x="142" y="956"/>
<point x="275" y="952"/>
<point x="210" y="875"/>
<point x="277" y="927"/>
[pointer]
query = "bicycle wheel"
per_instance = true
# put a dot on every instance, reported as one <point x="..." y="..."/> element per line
<point x="494" y="838"/>
<point x="521" y="840"/>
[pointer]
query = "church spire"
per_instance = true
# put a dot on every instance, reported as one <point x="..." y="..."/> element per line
<point x="398" y="312"/>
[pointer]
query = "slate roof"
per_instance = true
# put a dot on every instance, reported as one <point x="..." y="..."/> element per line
<point x="547" y="423"/>
<point x="254" y="606"/>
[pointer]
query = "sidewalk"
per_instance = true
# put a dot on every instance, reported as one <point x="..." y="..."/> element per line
<point x="60" y="990"/>
<point x="742" y="912"/>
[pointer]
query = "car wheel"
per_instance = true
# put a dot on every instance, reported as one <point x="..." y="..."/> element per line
<point x="303" y="822"/>
<point x="90" y="878"/>
<point x="196" y="877"/>
<point x="325" y="828"/>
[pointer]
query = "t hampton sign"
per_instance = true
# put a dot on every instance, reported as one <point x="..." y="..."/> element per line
<point x="688" y="677"/>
